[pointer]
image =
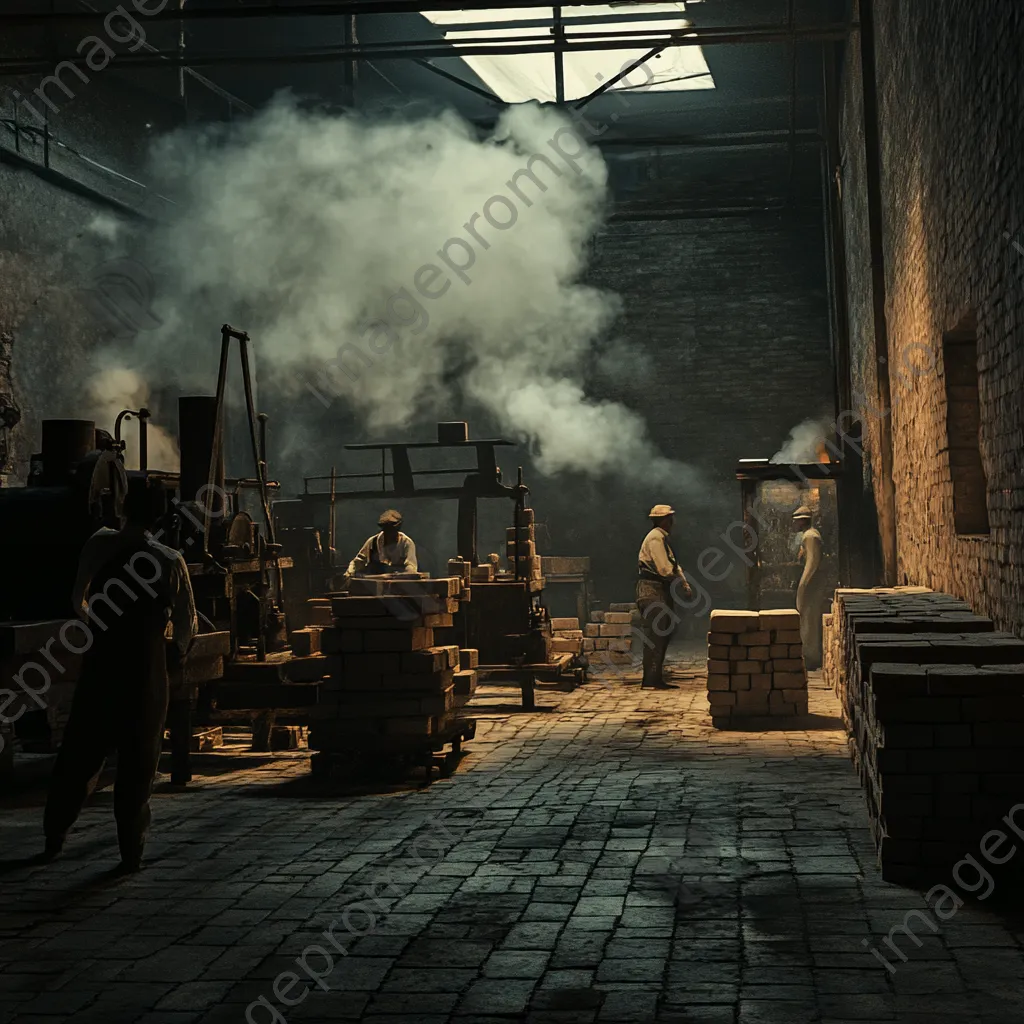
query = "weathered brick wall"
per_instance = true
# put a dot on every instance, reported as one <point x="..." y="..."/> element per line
<point x="951" y="101"/>
<point x="731" y="315"/>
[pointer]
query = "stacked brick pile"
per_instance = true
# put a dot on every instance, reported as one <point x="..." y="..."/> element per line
<point x="933" y="699"/>
<point x="609" y="636"/>
<point x="521" y="547"/>
<point x="566" y="637"/>
<point x="385" y="678"/>
<point x="755" y="666"/>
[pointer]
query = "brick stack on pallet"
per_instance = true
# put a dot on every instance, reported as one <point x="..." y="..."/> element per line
<point x="755" y="666"/>
<point x="386" y="681"/>
<point x="933" y="699"/>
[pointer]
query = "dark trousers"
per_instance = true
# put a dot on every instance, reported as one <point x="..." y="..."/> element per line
<point x="120" y="704"/>
<point x="660" y="619"/>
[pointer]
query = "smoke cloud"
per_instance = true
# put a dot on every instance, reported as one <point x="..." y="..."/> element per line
<point x="400" y="269"/>
<point x="803" y="443"/>
<point x="116" y="388"/>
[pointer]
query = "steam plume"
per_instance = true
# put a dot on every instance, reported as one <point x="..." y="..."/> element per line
<point x="313" y="233"/>
<point x="803" y="443"/>
<point x="117" y="388"/>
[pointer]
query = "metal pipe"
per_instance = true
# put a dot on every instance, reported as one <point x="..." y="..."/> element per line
<point x="329" y="9"/>
<point x="489" y="96"/>
<point x="604" y="86"/>
<point x="558" y="31"/>
<point x="792" y="95"/>
<point x="409" y="49"/>
<point x="806" y="136"/>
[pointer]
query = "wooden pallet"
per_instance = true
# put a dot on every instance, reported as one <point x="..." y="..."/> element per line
<point x="398" y="754"/>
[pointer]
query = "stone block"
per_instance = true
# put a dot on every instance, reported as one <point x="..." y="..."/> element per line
<point x="789" y="665"/>
<point x="615" y="629"/>
<point x="720" y="698"/>
<point x="398" y="640"/>
<point x="719" y="682"/>
<point x="305" y="642"/>
<point x="717" y="652"/>
<point x="469" y="657"/>
<point x="789" y="681"/>
<point x="758" y="638"/>
<point x="749" y="668"/>
<point x="565" y="623"/>
<point x="718" y="667"/>
<point x="758" y="653"/>
<point x="729" y="621"/>
<point x="787" y="636"/>
<point x="619" y="617"/>
<point x="740" y="682"/>
<point x="779" y="619"/>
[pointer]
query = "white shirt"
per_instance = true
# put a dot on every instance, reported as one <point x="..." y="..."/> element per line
<point x="401" y="555"/>
<point x="656" y="555"/>
<point x="171" y="584"/>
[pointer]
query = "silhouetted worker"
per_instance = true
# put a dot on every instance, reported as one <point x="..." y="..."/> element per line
<point x="387" y="551"/>
<point x="135" y="599"/>
<point x="658" y="572"/>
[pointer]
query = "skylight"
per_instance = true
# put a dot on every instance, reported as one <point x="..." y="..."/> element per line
<point x="517" y="78"/>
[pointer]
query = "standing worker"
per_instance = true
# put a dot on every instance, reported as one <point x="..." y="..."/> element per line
<point x="135" y="600"/>
<point x="385" y="552"/>
<point x="811" y="589"/>
<point x="658" y="572"/>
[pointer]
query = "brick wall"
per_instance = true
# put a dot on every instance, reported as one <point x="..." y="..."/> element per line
<point x="952" y="117"/>
<point x="731" y="313"/>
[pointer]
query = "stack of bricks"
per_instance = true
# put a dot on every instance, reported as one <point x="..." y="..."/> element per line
<point x="521" y="547"/>
<point x="385" y="678"/>
<point x="755" y="666"/>
<point x="933" y="700"/>
<point x="566" y="637"/>
<point x="608" y="637"/>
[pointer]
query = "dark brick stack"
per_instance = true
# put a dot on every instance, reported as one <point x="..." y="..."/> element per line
<point x="933" y="699"/>
<point x="386" y="680"/>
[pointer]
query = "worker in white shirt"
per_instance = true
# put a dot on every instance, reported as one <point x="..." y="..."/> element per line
<point x="657" y="573"/>
<point x="134" y="599"/>
<point x="385" y="552"/>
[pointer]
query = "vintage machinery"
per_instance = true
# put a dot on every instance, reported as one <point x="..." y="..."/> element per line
<point x="505" y="620"/>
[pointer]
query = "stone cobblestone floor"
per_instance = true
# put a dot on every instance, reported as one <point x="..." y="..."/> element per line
<point x="611" y="859"/>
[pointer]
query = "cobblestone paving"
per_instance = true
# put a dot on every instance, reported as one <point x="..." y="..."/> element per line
<point x="613" y="859"/>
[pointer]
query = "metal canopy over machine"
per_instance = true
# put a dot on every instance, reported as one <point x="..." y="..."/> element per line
<point x="480" y="481"/>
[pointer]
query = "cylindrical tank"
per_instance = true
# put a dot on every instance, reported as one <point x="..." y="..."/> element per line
<point x="196" y="422"/>
<point x="65" y="444"/>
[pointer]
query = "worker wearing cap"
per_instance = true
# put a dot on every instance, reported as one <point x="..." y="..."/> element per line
<point x="658" y="572"/>
<point x="385" y="552"/>
<point x="810" y="591"/>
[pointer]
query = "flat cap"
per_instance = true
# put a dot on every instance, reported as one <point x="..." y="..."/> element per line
<point x="660" y="511"/>
<point x="803" y="512"/>
<point x="390" y="518"/>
